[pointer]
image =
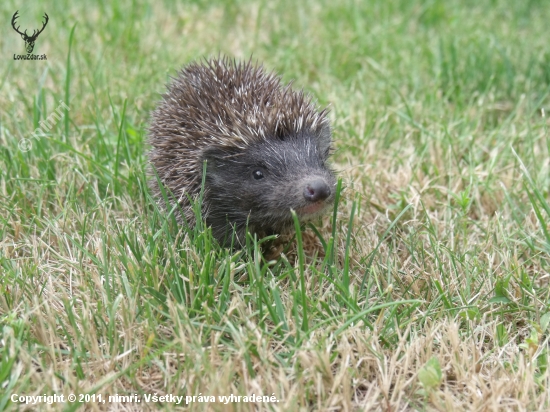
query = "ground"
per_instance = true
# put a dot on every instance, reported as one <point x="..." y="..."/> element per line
<point x="429" y="287"/>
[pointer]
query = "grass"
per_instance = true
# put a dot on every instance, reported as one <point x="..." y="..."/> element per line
<point x="429" y="287"/>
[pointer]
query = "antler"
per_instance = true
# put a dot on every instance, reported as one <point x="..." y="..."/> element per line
<point x="15" y="16"/>
<point x="34" y="36"/>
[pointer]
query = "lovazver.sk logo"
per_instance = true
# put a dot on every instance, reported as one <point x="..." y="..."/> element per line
<point x="29" y="40"/>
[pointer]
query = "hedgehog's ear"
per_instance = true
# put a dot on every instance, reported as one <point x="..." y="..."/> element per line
<point x="325" y="139"/>
<point x="212" y="156"/>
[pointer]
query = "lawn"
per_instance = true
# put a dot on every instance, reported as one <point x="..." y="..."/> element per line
<point x="426" y="288"/>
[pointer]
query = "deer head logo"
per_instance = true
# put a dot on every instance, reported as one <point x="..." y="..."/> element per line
<point x="29" y="40"/>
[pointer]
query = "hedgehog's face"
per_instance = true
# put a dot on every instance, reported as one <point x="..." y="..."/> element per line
<point x="264" y="183"/>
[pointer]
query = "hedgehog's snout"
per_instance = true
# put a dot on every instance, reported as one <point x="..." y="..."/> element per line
<point x="316" y="190"/>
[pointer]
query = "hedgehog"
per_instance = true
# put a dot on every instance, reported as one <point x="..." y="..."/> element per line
<point x="266" y="148"/>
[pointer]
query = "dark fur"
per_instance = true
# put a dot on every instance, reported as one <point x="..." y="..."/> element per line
<point x="239" y="119"/>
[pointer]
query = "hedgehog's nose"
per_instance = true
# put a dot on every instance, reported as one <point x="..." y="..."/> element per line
<point x="316" y="190"/>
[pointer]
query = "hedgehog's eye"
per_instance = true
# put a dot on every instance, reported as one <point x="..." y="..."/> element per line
<point x="258" y="174"/>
